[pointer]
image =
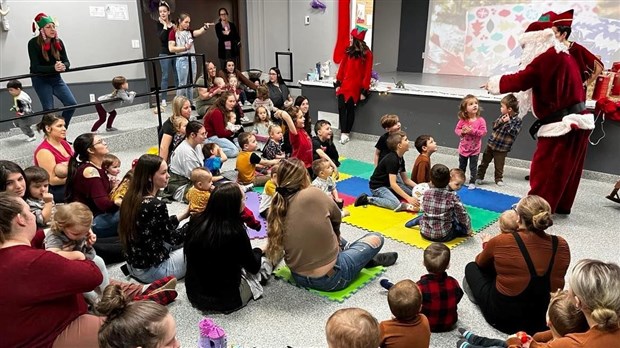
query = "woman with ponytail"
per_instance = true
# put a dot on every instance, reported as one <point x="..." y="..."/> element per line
<point x="145" y="324"/>
<point x="304" y="229"/>
<point x="87" y="183"/>
<point x="48" y="55"/>
<point x="512" y="278"/>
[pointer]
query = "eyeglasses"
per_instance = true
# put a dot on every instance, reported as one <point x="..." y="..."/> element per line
<point x="272" y="73"/>
<point x="223" y="14"/>
<point x="101" y="141"/>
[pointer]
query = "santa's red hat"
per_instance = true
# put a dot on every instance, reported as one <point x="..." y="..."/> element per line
<point x="538" y="26"/>
<point x="564" y="19"/>
<point x="359" y="32"/>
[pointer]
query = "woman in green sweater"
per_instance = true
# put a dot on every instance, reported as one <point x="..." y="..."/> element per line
<point x="48" y="55"/>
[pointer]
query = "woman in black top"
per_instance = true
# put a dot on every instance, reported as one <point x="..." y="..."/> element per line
<point x="217" y="249"/>
<point x="228" y="39"/>
<point x="278" y="91"/>
<point x="164" y="27"/>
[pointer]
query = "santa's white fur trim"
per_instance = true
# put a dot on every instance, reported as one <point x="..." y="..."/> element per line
<point x="556" y="129"/>
<point x="493" y="84"/>
<point x="524" y="98"/>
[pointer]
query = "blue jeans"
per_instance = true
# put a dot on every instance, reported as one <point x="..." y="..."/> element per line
<point x="230" y="149"/>
<point x="349" y="263"/>
<point x="384" y="197"/>
<point x="165" y="65"/>
<point x="183" y="75"/>
<point x="106" y="225"/>
<point x="47" y="87"/>
<point x="174" y="266"/>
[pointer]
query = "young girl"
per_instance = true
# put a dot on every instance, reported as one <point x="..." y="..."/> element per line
<point x="262" y="99"/>
<point x="470" y="128"/>
<point x="273" y="148"/>
<point x="300" y="140"/>
<point x="121" y="96"/>
<point x="178" y="123"/>
<point x="233" y="86"/>
<point x="112" y="165"/>
<point x="261" y="126"/>
<point x="563" y="318"/>
<point x="134" y="323"/>
<point x="40" y="201"/>
<point x="232" y="120"/>
<point x="72" y="238"/>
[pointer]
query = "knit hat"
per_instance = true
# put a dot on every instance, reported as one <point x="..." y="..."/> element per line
<point x="359" y="32"/>
<point x="564" y="19"/>
<point x="40" y="21"/>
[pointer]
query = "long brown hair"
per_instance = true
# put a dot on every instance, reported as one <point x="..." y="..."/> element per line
<point x="292" y="176"/>
<point x="55" y="48"/>
<point x="220" y="104"/>
<point x="139" y="187"/>
<point x="357" y="49"/>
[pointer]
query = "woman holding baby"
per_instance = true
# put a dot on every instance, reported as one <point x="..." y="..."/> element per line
<point x="53" y="153"/>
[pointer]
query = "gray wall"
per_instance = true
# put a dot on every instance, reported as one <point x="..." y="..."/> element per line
<point x="89" y="40"/>
<point x="386" y="34"/>
<point x="279" y="26"/>
<point x="413" y="26"/>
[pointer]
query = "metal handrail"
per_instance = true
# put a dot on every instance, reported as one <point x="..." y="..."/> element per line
<point x="157" y="91"/>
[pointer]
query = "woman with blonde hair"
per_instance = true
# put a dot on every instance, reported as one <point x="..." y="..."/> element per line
<point x="181" y="107"/>
<point x="304" y="229"/>
<point x="512" y="278"/>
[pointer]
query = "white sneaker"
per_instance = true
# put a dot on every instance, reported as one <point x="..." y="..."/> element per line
<point x="500" y="183"/>
<point x="31" y="139"/>
<point x="344" y="139"/>
<point x="478" y="181"/>
<point x="247" y="188"/>
<point x="403" y="207"/>
<point x="471" y="186"/>
<point x="244" y="119"/>
<point x="163" y="103"/>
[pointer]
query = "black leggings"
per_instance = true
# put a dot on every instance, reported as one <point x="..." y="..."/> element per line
<point x="346" y="114"/>
<point x="102" y="116"/>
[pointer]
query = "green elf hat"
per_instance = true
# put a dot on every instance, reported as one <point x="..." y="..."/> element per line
<point x="359" y="32"/>
<point x="40" y="21"/>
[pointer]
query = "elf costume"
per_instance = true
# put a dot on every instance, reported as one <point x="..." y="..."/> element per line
<point x="553" y="89"/>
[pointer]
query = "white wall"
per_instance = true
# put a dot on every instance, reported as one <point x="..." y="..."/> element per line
<point x="279" y="26"/>
<point x="386" y="38"/>
<point x="89" y="40"/>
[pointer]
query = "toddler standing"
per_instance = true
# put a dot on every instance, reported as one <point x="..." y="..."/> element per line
<point x="505" y="130"/>
<point x="38" y="198"/>
<point x="261" y="126"/>
<point x="273" y="148"/>
<point x="198" y="195"/>
<point x="22" y="105"/>
<point x="72" y="238"/>
<point x="470" y="128"/>
<point x="120" y="93"/>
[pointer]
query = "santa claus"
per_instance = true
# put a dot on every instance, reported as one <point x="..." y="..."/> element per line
<point x="551" y="86"/>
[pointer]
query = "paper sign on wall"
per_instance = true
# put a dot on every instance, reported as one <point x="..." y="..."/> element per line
<point x="96" y="11"/>
<point x="115" y="12"/>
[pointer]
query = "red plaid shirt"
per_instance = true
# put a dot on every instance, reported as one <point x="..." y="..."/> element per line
<point x="440" y="296"/>
<point x="440" y="206"/>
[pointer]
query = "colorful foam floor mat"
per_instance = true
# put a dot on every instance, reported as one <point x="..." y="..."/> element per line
<point x="365" y="276"/>
<point x="484" y="208"/>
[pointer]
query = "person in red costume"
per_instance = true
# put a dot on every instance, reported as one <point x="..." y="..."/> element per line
<point x="590" y="66"/>
<point x="552" y="86"/>
<point x="353" y="80"/>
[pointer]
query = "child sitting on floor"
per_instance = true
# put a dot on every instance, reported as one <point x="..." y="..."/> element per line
<point x="247" y="161"/>
<point x="323" y="146"/>
<point x="444" y="217"/>
<point x="267" y="196"/>
<point x="273" y="148"/>
<point x="409" y="328"/>
<point x="440" y="292"/>
<point x="352" y="327"/>
<point x="214" y="157"/>
<point x="508" y="223"/>
<point x="261" y="126"/>
<point x="386" y="191"/>
<point x="38" y="198"/>
<point x="71" y="237"/>
<point x="563" y="318"/>
<point x="426" y="146"/>
<point x="230" y="124"/>
<point x="198" y="195"/>
<point x="324" y="171"/>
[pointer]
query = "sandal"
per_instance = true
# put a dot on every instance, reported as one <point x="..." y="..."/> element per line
<point x="613" y="196"/>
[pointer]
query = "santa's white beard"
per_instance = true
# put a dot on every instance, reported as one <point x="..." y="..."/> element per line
<point x="534" y="44"/>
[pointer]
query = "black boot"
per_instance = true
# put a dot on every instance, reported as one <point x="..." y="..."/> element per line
<point x="382" y="259"/>
<point x="613" y="196"/>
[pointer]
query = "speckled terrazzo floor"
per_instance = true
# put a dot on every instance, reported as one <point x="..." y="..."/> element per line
<point x="288" y="316"/>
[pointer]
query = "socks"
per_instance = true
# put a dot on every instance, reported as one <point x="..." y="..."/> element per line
<point x="386" y="284"/>
<point x="465" y="333"/>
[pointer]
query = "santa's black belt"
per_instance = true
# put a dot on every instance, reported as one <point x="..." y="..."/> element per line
<point x="556" y="117"/>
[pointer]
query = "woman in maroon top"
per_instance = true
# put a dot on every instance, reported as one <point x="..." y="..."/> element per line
<point x="88" y="183"/>
<point x="215" y="124"/>
<point x="54" y="150"/>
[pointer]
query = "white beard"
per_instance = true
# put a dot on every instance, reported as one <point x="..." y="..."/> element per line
<point x="534" y="44"/>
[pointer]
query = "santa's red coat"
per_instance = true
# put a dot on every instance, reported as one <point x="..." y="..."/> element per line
<point x="556" y="84"/>
<point x="354" y="76"/>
